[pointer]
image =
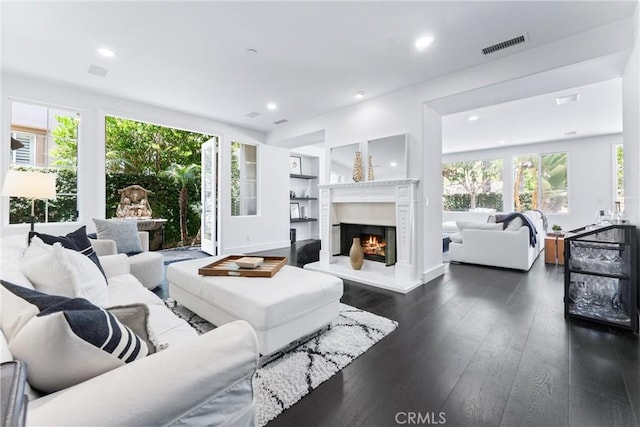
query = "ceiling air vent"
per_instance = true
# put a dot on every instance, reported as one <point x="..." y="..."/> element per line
<point x="97" y="71"/>
<point x="252" y="114"/>
<point x="281" y="121"/>
<point x="505" y="44"/>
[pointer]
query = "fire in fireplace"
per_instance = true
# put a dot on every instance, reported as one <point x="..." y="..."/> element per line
<point x="372" y="245"/>
<point x="378" y="242"/>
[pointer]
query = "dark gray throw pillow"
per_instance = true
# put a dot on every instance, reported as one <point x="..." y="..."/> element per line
<point x="122" y="231"/>
<point x="76" y="240"/>
<point x="136" y="318"/>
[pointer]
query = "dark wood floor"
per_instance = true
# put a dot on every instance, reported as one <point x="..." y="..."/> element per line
<point x="484" y="346"/>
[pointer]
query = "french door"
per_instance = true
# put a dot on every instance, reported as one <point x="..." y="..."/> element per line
<point x="209" y="194"/>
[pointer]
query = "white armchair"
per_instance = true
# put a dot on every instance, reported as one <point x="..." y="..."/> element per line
<point x="147" y="267"/>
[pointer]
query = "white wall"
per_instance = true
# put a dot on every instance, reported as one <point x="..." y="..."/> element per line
<point x="270" y="228"/>
<point x="396" y="113"/>
<point x="631" y="127"/>
<point x="590" y="176"/>
<point x="432" y="194"/>
<point x="93" y="108"/>
<point x="416" y="111"/>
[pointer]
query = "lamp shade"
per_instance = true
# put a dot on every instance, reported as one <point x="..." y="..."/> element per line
<point x="31" y="184"/>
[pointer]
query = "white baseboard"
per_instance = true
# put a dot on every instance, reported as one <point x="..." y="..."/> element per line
<point x="434" y="273"/>
<point x="256" y="247"/>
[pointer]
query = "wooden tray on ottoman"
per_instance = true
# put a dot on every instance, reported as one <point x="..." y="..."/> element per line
<point x="269" y="267"/>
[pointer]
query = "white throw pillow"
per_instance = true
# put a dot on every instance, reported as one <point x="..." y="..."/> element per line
<point x="43" y="269"/>
<point x="68" y="341"/>
<point x="88" y="281"/>
<point x="14" y="314"/>
<point x="515" y="224"/>
<point x="464" y="225"/>
<point x="55" y="270"/>
<point x="456" y="238"/>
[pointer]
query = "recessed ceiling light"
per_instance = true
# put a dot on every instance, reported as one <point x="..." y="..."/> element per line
<point x="473" y="118"/>
<point x="272" y="106"/>
<point x="393" y="164"/>
<point x="359" y="94"/>
<point x="423" y="42"/>
<point x="501" y="142"/>
<point x="252" y="52"/>
<point x="107" y="53"/>
<point x="571" y="132"/>
<point x="567" y="99"/>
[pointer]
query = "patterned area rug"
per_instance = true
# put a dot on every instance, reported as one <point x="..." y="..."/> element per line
<point x="289" y="377"/>
<point x="182" y="254"/>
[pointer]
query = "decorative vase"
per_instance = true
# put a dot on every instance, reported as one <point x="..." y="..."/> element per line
<point x="358" y="170"/>
<point x="356" y="254"/>
<point x="370" y="171"/>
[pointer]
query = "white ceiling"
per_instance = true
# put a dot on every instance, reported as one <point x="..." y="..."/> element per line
<point x="312" y="56"/>
<point x="537" y="119"/>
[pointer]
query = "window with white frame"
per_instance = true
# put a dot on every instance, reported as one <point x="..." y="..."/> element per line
<point x="540" y="182"/>
<point x="244" y="182"/>
<point x="474" y="185"/>
<point x="49" y="139"/>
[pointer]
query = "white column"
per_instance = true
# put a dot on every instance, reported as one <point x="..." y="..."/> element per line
<point x="325" y="226"/>
<point x="406" y="205"/>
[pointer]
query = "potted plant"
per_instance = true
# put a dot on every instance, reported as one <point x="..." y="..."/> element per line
<point x="557" y="229"/>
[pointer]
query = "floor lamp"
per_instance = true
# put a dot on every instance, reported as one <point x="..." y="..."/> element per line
<point x="30" y="184"/>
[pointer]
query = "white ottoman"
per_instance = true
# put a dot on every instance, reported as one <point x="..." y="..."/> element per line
<point x="281" y="309"/>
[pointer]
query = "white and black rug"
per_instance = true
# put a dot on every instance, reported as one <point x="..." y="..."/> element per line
<point x="184" y="253"/>
<point x="288" y="378"/>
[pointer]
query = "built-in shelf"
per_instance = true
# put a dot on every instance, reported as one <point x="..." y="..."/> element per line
<point x="303" y="219"/>
<point x="304" y="199"/>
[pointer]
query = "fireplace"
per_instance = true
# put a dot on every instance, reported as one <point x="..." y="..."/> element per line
<point x="378" y="242"/>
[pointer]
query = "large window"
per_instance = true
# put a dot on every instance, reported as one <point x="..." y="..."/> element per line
<point x="540" y="182"/>
<point x="473" y="185"/>
<point x="244" y="172"/>
<point x="49" y="139"/>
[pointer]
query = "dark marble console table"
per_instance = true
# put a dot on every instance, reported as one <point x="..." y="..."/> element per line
<point x="155" y="227"/>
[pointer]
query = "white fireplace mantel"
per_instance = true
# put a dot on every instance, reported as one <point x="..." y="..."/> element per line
<point x="401" y="277"/>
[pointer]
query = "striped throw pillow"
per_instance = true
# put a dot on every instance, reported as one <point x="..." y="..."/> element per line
<point x="65" y="341"/>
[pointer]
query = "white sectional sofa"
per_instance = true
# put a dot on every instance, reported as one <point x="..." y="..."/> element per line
<point x="497" y="247"/>
<point x="195" y="380"/>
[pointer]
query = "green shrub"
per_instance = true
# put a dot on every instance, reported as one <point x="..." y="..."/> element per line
<point x="462" y="202"/>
